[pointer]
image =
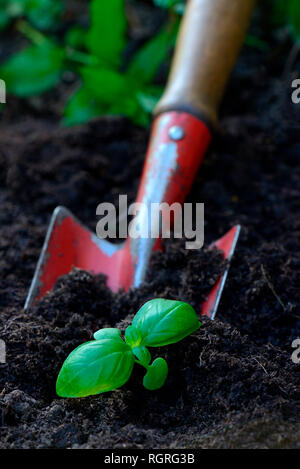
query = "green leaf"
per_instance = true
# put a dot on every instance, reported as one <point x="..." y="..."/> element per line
<point x="156" y="375"/>
<point x="33" y="70"/>
<point x="44" y="14"/>
<point x="107" y="333"/>
<point x="127" y="106"/>
<point x="4" y="20"/>
<point x="81" y="107"/>
<point x="143" y="355"/>
<point x="162" y="322"/>
<point x="106" y="36"/>
<point x="146" y="62"/>
<point x="165" y="3"/>
<point x="149" y="97"/>
<point x="177" y="5"/>
<point x="133" y="336"/>
<point x="103" y="92"/>
<point x="279" y="11"/>
<point x="95" y="367"/>
<point x="14" y="8"/>
<point x="287" y="13"/>
<point x="76" y="37"/>
<point x="294" y="17"/>
<point x="106" y="85"/>
<point x="179" y="8"/>
<point x="113" y="92"/>
<point x="254" y="41"/>
<point x="10" y="10"/>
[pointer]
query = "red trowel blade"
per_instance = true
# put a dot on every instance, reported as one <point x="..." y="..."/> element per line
<point x="69" y="244"/>
<point x="227" y="245"/>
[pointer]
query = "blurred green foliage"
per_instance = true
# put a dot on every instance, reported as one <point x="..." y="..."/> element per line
<point x="287" y="12"/>
<point x="43" y="14"/>
<point x="105" y="88"/>
<point x="44" y="71"/>
<point x="109" y="83"/>
<point x="176" y="5"/>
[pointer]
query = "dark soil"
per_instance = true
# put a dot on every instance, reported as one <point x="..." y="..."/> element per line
<point x="232" y="383"/>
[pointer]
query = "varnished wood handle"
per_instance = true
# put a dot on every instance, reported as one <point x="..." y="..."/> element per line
<point x="210" y="38"/>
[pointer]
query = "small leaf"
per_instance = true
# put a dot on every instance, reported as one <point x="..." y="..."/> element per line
<point x="33" y="70"/>
<point x="44" y="14"/>
<point x="113" y="92"/>
<point x="162" y="322"/>
<point x="129" y="106"/>
<point x="75" y="37"/>
<point x="95" y="367"/>
<point x="106" y="36"/>
<point x="148" y="97"/>
<point x="133" y="336"/>
<point x="254" y="41"/>
<point x="146" y="62"/>
<point x="106" y="85"/>
<point x="81" y="107"/>
<point x="143" y="355"/>
<point x="107" y="333"/>
<point x="156" y="375"/>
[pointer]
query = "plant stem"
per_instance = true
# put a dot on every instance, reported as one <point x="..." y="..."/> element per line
<point x="81" y="57"/>
<point x="32" y="34"/>
<point x="38" y="39"/>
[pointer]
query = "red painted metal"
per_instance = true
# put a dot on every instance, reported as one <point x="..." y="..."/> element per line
<point x="190" y="153"/>
<point x="169" y="171"/>
<point x="227" y="245"/>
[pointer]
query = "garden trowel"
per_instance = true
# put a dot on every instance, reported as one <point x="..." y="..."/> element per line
<point x="210" y="37"/>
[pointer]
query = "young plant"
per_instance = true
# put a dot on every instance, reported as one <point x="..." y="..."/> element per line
<point x="106" y="363"/>
<point x="108" y="82"/>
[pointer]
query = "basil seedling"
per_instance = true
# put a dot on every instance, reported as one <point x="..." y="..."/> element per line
<point x="106" y="363"/>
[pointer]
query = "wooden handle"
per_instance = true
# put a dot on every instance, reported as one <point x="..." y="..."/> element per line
<point x="210" y="38"/>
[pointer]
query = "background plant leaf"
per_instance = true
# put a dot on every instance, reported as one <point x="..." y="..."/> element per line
<point x="294" y="18"/>
<point x="106" y="85"/>
<point x="177" y="5"/>
<point x="106" y="36"/>
<point x="81" y="107"/>
<point x="146" y="62"/>
<point x="4" y="19"/>
<point x="33" y="70"/>
<point x="76" y="37"/>
<point x="148" y="97"/>
<point x="43" y="14"/>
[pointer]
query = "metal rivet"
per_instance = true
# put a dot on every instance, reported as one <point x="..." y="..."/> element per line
<point x="176" y="132"/>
